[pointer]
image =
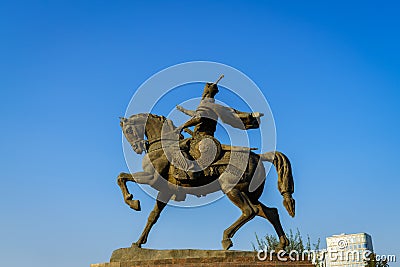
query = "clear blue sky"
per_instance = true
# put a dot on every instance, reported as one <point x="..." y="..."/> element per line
<point x="329" y="69"/>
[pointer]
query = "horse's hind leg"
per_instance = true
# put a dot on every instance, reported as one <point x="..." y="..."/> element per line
<point x="271" y="214"/>
<point x="161" y="202"/>
<point x="248" y="213"/>
<point x="139" y="177"/>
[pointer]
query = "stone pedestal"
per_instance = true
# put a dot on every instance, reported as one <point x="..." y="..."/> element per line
<point x="134" y="257"/>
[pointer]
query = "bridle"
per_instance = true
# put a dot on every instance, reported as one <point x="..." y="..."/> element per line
<point x="149" y="142"/>
<point x="153" y="142"/>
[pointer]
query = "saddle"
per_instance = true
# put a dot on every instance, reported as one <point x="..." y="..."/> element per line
<point x="205" y="153"/>
<point x="199" y="153"/>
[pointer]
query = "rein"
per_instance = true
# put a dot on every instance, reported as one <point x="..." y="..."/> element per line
<point x="152" y="142"/>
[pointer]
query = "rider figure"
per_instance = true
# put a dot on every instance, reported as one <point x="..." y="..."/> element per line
<point x="205" y="121"/>
<point x="204" y="118"/>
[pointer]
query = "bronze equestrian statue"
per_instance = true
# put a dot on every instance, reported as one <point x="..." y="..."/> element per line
<point x="173" y="165"/>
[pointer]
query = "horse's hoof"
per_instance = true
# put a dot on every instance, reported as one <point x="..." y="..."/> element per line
<point x="227" y="244"/>
<point x="136" y="245"/>
<point x="134" y="204"/>
<point x="283" y="243"/>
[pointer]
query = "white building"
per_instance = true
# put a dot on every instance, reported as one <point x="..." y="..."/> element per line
<point x="348" y="250"/>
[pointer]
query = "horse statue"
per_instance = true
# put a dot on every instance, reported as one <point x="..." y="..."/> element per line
<point x="158" y="173"/>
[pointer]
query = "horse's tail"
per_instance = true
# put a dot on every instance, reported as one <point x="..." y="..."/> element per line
<point x="285" y="178"/>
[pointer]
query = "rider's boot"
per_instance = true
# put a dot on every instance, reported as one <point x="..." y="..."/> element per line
<point x="190" y="174"/>
<point x="190" y="166"/>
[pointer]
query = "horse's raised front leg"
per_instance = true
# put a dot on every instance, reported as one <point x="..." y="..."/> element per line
<point x="161" y="202"/>
<point x="248" y="213"/>
<point x="138" y="177"/>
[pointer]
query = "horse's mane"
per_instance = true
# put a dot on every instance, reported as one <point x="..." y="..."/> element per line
<point x="141" y="119"/>
<point x="146" y="115"/>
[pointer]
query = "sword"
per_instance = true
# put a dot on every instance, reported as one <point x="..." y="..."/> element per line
<point x="220" y="78"/>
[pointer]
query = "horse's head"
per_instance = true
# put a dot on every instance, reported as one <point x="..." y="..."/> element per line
<point x="134" y="131"/>
<point x="136" y="127"/>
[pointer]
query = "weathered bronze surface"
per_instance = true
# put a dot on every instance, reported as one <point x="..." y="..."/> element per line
<point x="200" y="165"/>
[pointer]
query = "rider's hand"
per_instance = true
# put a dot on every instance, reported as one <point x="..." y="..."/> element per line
<point x="257" y="114"/>
<point x="179" y="108"/>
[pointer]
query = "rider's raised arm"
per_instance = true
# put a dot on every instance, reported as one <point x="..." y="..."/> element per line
<point x="188" y="112"/>
<point x="249" y="120"/>
<point x="238" y="119"/>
